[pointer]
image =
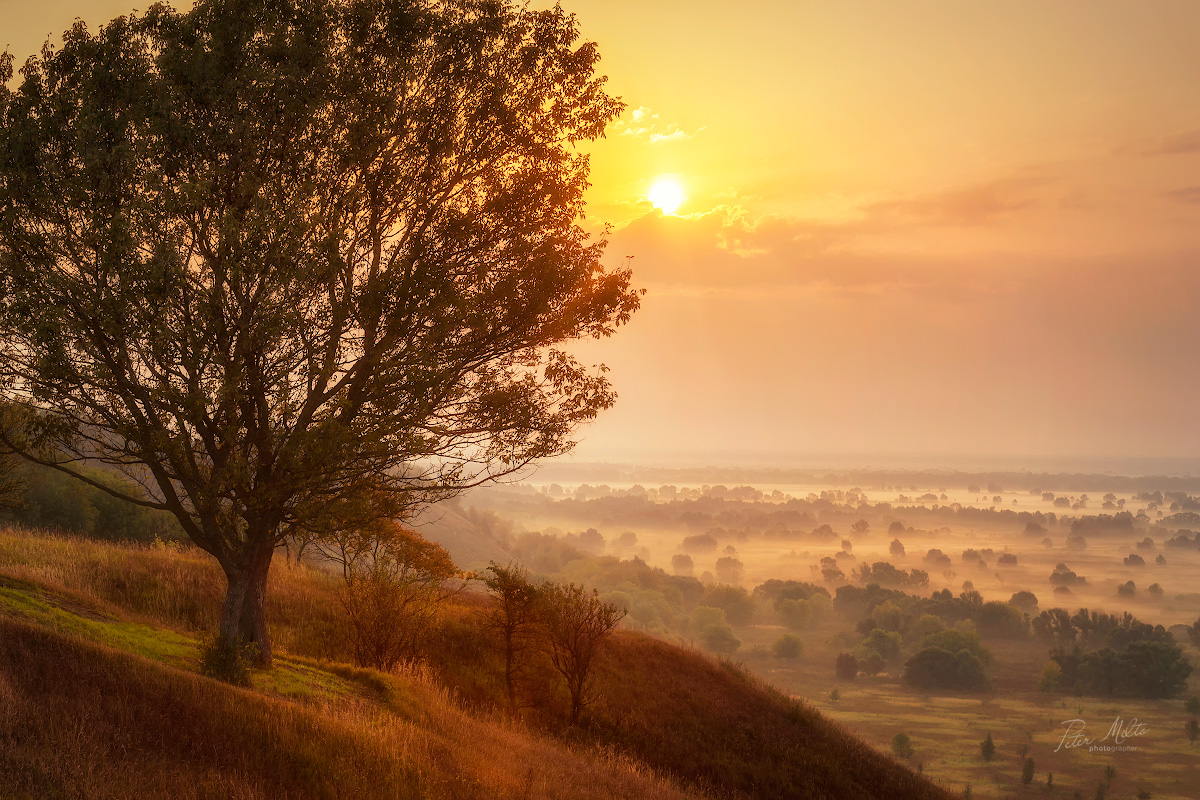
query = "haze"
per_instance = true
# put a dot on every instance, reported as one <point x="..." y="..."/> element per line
<point x="916" y="229"/>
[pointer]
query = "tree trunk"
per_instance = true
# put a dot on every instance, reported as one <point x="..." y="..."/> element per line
<point x="243" y="618"/>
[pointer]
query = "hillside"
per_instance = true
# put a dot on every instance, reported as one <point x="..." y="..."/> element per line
<point x="98" y="653"/>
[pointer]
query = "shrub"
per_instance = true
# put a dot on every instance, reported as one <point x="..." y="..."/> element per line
<point x="935" y="668"/>
<point x="721" y="639"/>
<point x="788" y="646"/>
<point x="699" y="543"/>
<point x="987" y="748"/>
<point x="902" y="746"/>
<point x="1024" y="600"/>
<point x="846" y="666"/>
<point x="1051" y="676"/>
<point x="796" y="614"/>
<point x="226" y="662"/>
<point x="730" y="570"/>
<point x="394" y="584"/>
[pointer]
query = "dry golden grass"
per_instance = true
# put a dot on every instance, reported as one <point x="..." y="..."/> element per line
<point x="81" y="720"/>
<point x="177" y="586"/>
<point x="130" y="727"/>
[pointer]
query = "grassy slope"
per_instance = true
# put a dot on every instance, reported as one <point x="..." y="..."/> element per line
<point x="677" y="711"/>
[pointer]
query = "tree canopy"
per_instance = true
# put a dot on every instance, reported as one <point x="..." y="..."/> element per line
<point x="294" y="266"/>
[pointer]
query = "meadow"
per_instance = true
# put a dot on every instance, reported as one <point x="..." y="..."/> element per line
<point x="988" y="540"/>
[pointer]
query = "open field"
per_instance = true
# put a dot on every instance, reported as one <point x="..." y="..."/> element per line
<point x="946" y="728"/>
<point x="779" y="534"/>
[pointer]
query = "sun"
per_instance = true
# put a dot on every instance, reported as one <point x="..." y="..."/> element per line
<point x="666" y="195"/>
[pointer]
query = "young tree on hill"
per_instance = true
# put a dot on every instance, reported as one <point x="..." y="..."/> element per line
<point x="301" y="266"/>
<point x="577" y="623"/>
<point x="514" y="617"/>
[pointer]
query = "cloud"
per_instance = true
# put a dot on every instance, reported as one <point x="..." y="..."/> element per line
<point x="644" y="124"/>
<point x="1188" y="194"/>
<point x="978" y="204"/>
<point x="1175" y="144"/>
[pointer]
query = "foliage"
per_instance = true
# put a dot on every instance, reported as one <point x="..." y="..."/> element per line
<point x="1027" y="772"/>
<point x="577" y="623"/>
<point x="1001" y="621"/>
<point x="544" y="552"/>
<point x="1050" y="677"/>
<point x="1143" y="668"/>
<point x="886" y="644"/>
<point x="225" y="662"/>
<point x="888" y="616"/>
<point x="987" y="748"/>
<point x="1112" y="654"/>
<point x="1192" y="730"/>
<point x="734" y="600"/>
<point x="846" y="666"/>
<point x="796" y="614"/>
<point x="1024" y="600"/>
<point x="954" y="641"/>
<point x="297" y="265"/>
<point x="788" y="646"/>
<point x="10" y="482"/>
<point x="46" y="498"/>
<point x="730" y="569"/>
<point x="709" y="624"/>
<point x="885" y="574"/>
<point x="936" y="668"/>
<point x="923" y="627"/>
<point x="902" y="746"/>
<point x="513" y="617"/>
<point x="395" y="581"/>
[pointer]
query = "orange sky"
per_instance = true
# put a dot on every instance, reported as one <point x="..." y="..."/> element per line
<point x="911" y="228"/>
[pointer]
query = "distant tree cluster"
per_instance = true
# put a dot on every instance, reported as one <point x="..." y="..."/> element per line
<point x="885" y="574"/>
<point x="1112" y="655"/>
<point x="938" y="668"/>
<point x="1119" y="523"/>
<point x="1065" y="576"/>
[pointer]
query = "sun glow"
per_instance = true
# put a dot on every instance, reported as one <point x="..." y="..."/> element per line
<point x="666" y="195"/>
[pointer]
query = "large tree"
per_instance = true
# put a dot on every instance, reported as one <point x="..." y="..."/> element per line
<point x="301" y="264"/>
